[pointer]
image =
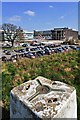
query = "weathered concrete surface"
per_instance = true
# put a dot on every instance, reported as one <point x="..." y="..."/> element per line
<point x="54" y="100"/>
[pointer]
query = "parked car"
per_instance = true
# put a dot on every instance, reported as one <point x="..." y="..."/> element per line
<point x="64" y="48"/>
<point x="8" y="53"/>
<point x="4" y="58"/>
<point x="37" y="54"/>
<point x="60" y="49"/>
<point x="4" y="51"/>
<point x="6" y="45"/>
<point x="78" y="48"/>
<point x="73" y="47"/>
<point x="20" y="50"/>
<point x="24" y="45"/>
<point x="13" y="57"/>
<point x="31" y="55"/>
<point x="47" y="51"/>
<point x="33" y="49"/>
<point x="27" y="49"/>
<point x="42" y="52"/>
<point x="26" y="54"/>
<point x="55" y="50"/>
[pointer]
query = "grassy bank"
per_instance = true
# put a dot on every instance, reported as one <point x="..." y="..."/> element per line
<point x="64" y="67"/>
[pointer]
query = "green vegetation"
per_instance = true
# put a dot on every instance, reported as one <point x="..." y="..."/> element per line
<point x="13" y="48"/>
<point x="64" y="67"/>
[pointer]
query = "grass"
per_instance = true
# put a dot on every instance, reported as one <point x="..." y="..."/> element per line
<point x="64" y="67"/>
<point x="13" y="48"/>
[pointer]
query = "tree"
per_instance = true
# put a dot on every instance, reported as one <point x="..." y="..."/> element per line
<point x="10" y="32"/>
<point x="20" y="34"/>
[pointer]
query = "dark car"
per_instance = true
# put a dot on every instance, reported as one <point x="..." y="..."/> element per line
<point x="40" y="48"/>
<point x="26" y="54"/>
<point x="42" y="52"/>
<point x="4" y="58"/>
<point x="47" y="51"/>
<point x="33" y="49"/>
<point x="8" y="53"/>
<point x="20" y="50"/>
<point x="37" y="54"/>
<point x="60" y="49"/>
<point x="27" y="49"/>
<point x="55" y="50"/>
<point x="78" y="48"/>
<point x="67" y="47"/>
<point x="31" y="55"/>
<point x="24" y="45"/>
<point x="52" y="50"/>
<point x="6" y="46"/>
<point x="63" y="48"/>
<point x="4" y="51"/>
<point x="73" y="47"/>
<point x="13" y="57"/>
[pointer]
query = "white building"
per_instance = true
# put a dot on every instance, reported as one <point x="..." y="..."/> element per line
<point x="28" y="35"/>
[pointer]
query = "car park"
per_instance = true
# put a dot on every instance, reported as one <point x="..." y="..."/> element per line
<point x="38" y="50"/>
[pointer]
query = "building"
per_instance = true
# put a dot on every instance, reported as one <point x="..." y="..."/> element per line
<point x="65" y="33"/>
<point x="24" y="36"/>
<point x="28" y="35"/>
<point x="48" y="34"/>
<point x="57" y="34"/>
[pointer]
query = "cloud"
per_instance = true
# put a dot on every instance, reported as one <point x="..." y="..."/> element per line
<point x="62" y="17"/>
<point x="30" y="13"/>
<point x="50" y="6"/>
<point x="15" y="18"/>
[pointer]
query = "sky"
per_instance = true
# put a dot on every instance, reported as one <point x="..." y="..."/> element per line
<point x="41" y="15"/>
<point x="79" y="17"/>
<point x="40" y="0"/>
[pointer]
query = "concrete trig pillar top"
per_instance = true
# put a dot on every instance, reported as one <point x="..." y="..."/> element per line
<point x="45" y="98"/>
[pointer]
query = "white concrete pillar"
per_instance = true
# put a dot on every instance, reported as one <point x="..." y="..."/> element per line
<point x="53" y="100"/>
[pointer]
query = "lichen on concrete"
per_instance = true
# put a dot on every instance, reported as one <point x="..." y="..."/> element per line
<point x="44" y="98"/>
